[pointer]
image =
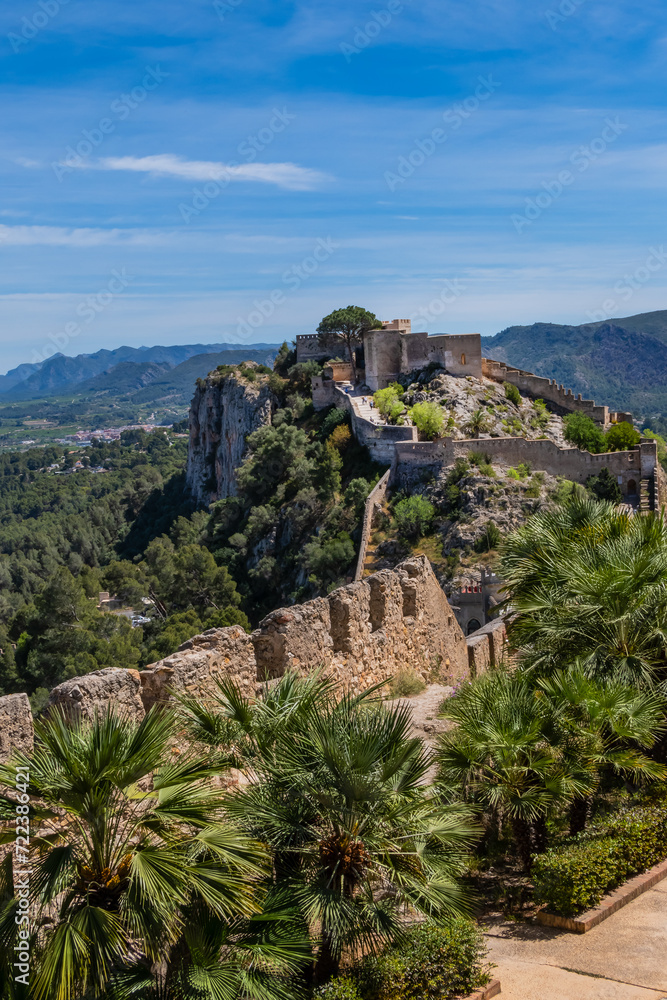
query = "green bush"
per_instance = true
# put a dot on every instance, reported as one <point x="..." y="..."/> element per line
<point x="428" y="962"/>
<point x="414" y="516"/>
<point x="581" y="431"/>
<point x="341" y="988"/>
<point x="622" y="437"/>
<point x="428" y="418"/>
<point x="489" y="539"/>
<point x="512" y="393"/>
<point x="575" y="876"/>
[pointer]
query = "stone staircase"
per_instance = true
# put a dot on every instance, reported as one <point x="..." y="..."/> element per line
<point x="646" y="495"/>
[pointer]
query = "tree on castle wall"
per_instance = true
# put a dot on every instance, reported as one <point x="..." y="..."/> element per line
<point x="347" y="326"/>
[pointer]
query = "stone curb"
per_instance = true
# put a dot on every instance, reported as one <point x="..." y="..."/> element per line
<point x="614" y="901"/>
<point x="486" y="992"/>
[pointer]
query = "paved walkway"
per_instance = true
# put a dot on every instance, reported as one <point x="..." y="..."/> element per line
<point x="623" y="958"/>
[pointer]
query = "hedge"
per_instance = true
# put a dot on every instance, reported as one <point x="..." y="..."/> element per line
<point x="427" y="963"/>
<point x="575" y="876"/>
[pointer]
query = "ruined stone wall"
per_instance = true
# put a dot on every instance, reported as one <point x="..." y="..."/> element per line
<point x="541" y="454"/>
<point x="225" y="409"/>
<point x="564" y="400"/>
<point x="459" y="354"/>
<point x="16" y="733"/>
<point x="376" y="496"/>
<point x="358" y="635"/>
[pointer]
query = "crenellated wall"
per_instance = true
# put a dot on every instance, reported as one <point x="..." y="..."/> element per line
<point x="564" y="400"/>
<point x="627" y="466"/>
<point x="358" y="635"/>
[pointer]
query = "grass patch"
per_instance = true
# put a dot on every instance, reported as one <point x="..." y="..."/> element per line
<point x="406" y="683"/>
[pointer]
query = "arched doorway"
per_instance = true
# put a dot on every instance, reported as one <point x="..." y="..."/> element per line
<point x="632" y="487"/>
<point x="473" y="625"/>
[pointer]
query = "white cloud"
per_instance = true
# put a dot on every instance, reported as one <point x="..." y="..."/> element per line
<point x="59" y="236"/>
<point x="284" y="175"/>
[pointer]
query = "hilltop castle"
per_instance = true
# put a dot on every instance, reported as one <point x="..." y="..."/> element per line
<point x="396" y="350"/>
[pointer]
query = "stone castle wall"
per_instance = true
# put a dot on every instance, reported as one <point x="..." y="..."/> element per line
<point x="358" y="635"/>
<point x="564" y="400"/>
<point x="629" y="467"/>
<point x="378" y="438"/>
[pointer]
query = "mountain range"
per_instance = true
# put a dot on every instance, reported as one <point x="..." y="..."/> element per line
<point x="621" y="362"/>
<point x="60" y="374"/>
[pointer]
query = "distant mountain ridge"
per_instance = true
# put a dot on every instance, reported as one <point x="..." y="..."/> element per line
<point x="61" y="373"/>
<point x="620" y="362"/>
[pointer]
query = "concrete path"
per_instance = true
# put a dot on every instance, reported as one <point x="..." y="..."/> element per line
<point x="623" y="958"/>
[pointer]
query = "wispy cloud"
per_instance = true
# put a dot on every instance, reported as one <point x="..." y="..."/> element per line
<point x="59" y="236"/>
<point x="284" y="175"/>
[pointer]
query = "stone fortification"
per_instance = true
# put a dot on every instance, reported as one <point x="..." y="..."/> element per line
<point x="224" y="410"/>
<point x="562" y="399"/>
<point x="99" y="691"/>
<point x="358" y="635"/>
<point x="628" y="467"/>
<point x="16" y="734"/>
<point x="378" y="438"/>
<point x="198" y="663"/>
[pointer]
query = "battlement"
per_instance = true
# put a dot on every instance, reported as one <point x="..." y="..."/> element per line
<point x="561" y="399"/>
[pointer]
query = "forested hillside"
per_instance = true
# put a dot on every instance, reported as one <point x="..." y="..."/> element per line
<point x="620" y="362"/>
<point x="123" y="522"/>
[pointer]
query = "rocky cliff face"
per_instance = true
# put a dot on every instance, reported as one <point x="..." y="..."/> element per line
<point x="225" y="409"/>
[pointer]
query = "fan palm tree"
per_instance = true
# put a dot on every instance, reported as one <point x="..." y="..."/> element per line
<point x="584" y="580"/>
<point x="340" y="796"/>
<point x="524" y="753"/>
<point x="129" y="841"/>
<point x="478" y="423"/>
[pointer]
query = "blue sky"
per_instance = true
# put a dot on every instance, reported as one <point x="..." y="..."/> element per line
<point x="198" y="171"/>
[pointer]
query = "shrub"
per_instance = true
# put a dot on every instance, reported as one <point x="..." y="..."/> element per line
<point x="428" y="418"/>
<point x="512" y="393"/>
<point x="581" y="431"/>
<point x="414" y="516"/>
<point x="340" y="437"/>
<point x="489" y="539"/>
<point x="622" y="437"/>
<point x="429" y="961"/>
<point x="341" y="988"/>
<point x="334" y="417"/>
<point x="604" y="487"/>
<point x="574" y="877"/>
<point x="405" y="683"/>
<point x="522" y="470"/>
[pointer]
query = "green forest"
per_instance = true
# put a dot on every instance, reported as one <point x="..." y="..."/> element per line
<point x="117" y="517"/>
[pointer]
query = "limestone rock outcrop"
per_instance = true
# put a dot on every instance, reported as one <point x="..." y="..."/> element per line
<point x="225" y="409"/>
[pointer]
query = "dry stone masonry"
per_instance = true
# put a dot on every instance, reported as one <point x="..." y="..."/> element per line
<point x="358" y="635"/>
